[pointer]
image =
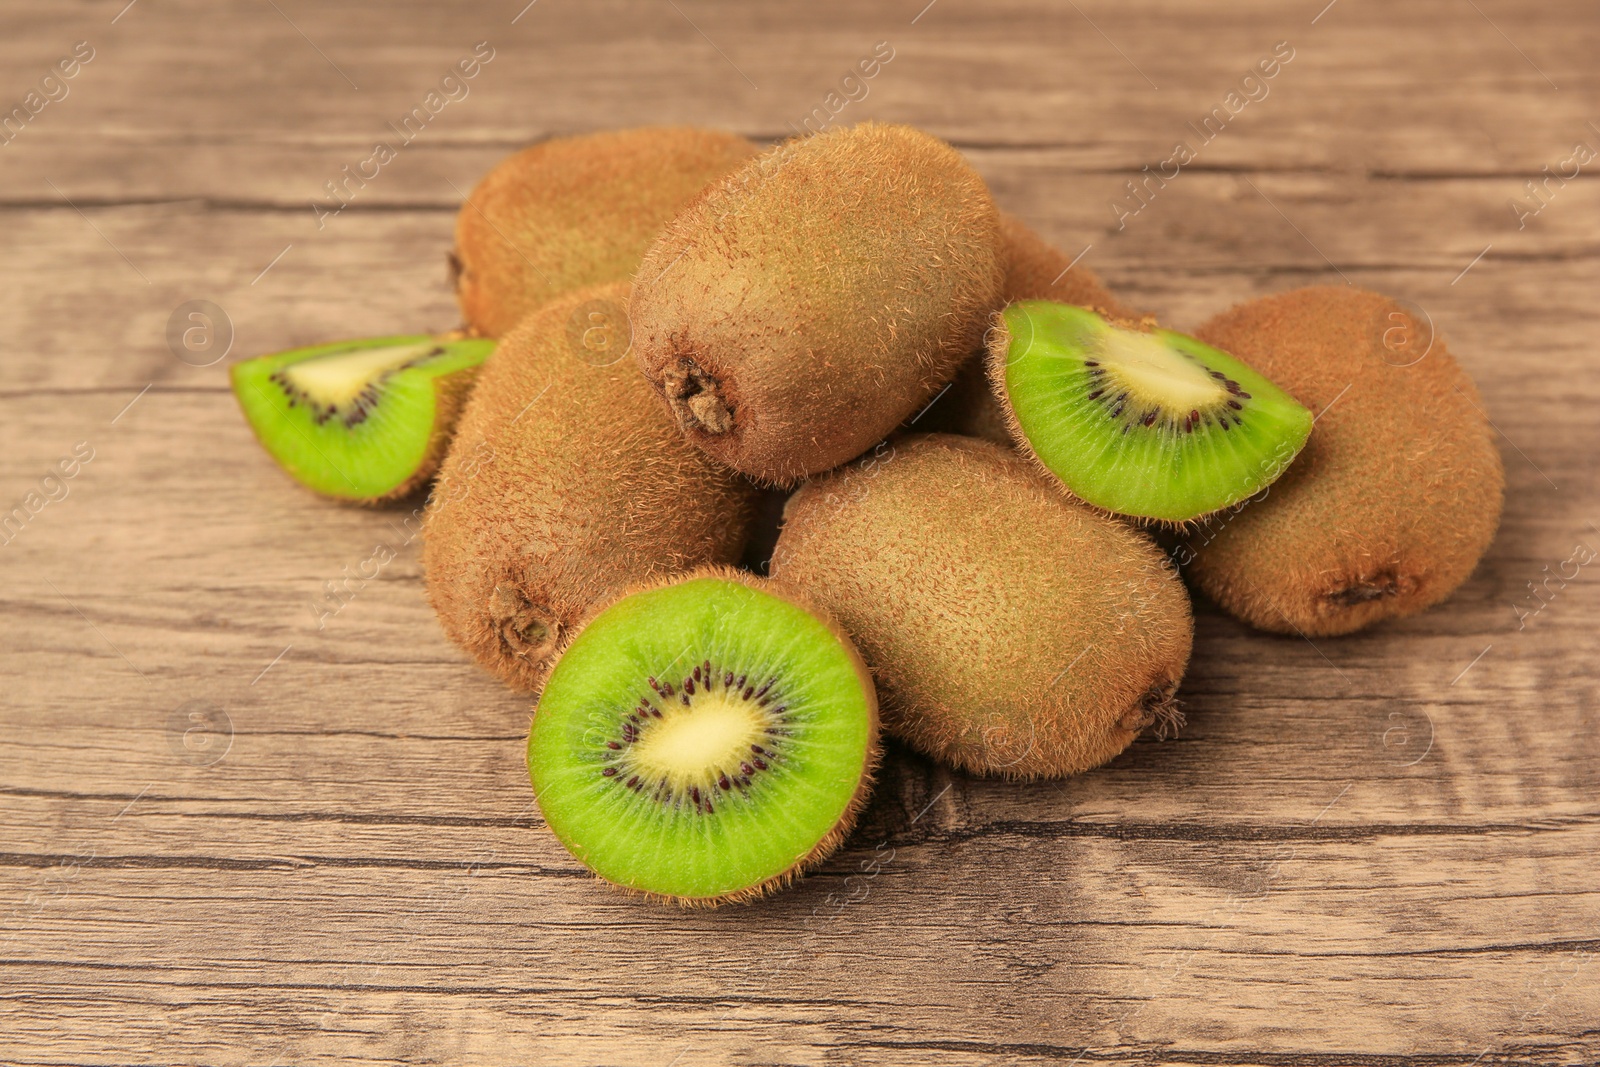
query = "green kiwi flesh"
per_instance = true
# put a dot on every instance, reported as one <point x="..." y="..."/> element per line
<point x="1139" y="421"/>
<point x="363" y="420"/>
<point x="704" y="740"/>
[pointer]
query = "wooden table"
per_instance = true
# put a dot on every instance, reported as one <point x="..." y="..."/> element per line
<point x="233" y="836"/>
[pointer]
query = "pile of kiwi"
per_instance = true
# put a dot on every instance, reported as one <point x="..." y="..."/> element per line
<point x="738" y="450"/>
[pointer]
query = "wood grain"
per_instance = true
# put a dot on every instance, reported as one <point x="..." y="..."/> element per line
<point x="1375" y="850"/>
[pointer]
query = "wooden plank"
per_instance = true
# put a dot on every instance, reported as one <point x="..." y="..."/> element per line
<point x="282" y="283"/>
<point x="1434" y="87"/>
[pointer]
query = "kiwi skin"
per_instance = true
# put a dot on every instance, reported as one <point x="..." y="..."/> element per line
<point x="830" y="842"/>
<point x="1398" y="492"/>
<point x="1034" y="270"/>
<point x="806" y="305"/>
<point x="576" y="211"/>
<point x="1037" y="270"/>
<point x="565" y="482"/>
<point x="1012" y="631"/>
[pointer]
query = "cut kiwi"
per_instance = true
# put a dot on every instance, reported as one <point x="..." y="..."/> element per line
<point x="363" y="420"/>
<point x="704" y="740"/>
<point x="1142" y="422"/>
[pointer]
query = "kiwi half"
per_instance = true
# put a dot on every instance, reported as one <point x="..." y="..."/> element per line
<point x="567" y="482"/>
<point x="1140" y="421"/>
<point x="1012" y="631"/>
<point x="576" y="211"/>
<point x="807" y="304"/>
<point x="704" y="740"/>
<point x="1398" y="493"/>
<point x="363" y="420"/>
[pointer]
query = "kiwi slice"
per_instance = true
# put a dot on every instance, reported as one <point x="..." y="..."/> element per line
<point x="361" y="420"/>
<point x="1140" y="421"/>
<point x="704" y="740"/>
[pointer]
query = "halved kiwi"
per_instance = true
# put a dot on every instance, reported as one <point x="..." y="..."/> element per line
<point x="363" y="420"/>
<point x="704" y="740"/>
<point x="1140" y="421"/>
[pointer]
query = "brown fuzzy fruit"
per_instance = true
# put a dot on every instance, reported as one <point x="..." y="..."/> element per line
<point x="1398" y="492"/>
<point x="1011" y="631"/>
<point x="566" y="482"/>
<point x="806" y="305"/>
<point x="1035" y="270"/>
<point x="576" y="211"/>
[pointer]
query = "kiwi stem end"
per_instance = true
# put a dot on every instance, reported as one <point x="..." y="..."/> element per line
<point x="522" y="628"/>
<point x="696" y="399"/>
<point x="1158" y="707"/>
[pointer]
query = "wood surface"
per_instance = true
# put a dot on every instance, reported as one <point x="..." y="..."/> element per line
<point x="1376" y="850"/>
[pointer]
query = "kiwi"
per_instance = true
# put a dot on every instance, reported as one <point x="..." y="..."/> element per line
<point x="364" y="420"/>
<point x="567" y="481"/>
<point x="810" y="302"/>
<point x="1136" y="420"/>
<point x="704" y="740"/>
<point x="1011" y="630"/>
<point x="1396" y="497"/>
<point x="1037" y="270"/>
<point x="576" y="211"/>
<point x="1034" y="270"/>
<point x="967" y="407"/>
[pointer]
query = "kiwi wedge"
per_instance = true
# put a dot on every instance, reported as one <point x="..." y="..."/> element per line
<point x="364" y="420"/>
<point x="705" y="739"/>
<point x="1139" y="421"/>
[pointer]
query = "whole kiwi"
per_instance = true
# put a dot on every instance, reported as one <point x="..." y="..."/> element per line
<point x="811" y="301"/>
<point x="566" y="482"/>
<point x="1011" y="630"/>
<point x="1037" y="270"/>
<point x="1397" y="494"/>
<point x="576" y="211"/>
<point x="1034" y="270"/>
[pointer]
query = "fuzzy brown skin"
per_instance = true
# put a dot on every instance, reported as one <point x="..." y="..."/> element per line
<point x="1012" y="631"/>
<point x="1396" y="495"/>
<point x="830" y="842"/>
<point x="968" y="408"/>
<point x="805" y="306"/>
<point x="1035" y="270"/>
<point x="576" y="211"/>
<point x="566" y="482"/>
